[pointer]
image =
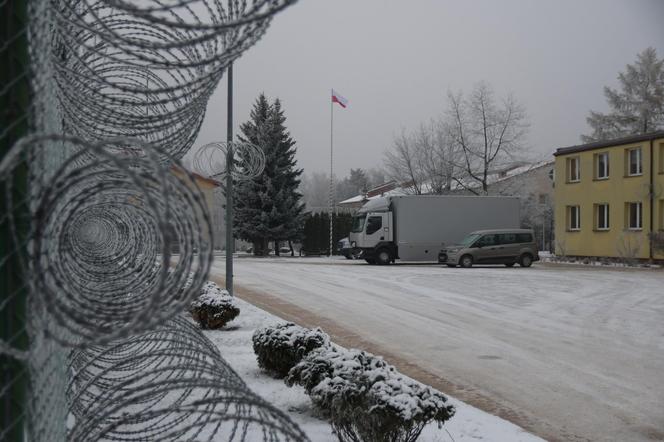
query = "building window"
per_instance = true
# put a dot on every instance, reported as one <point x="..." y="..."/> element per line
<point x="573" y="218"/>
<point x="573" y="170"/>
<point x="661" y="158"/>
<point x="661" y="214"/>
<point x="634" y="216"/>
<point x="634" y="163"/>
<point x="602" y="166"/>
<point x="602" y="216"/>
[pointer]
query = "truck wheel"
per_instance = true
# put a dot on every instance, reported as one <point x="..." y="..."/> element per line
<point x="526" y="260"/>
<point x="370" y="260"/>
<point x="466" y="261"/>
<point x="383" y="257"/>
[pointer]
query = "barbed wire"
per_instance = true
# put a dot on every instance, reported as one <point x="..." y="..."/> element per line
<point x="148" y="70"/>
<point x="210" y="160"/>
<point x="167" y="384"/>
<point x="102" y="234"/>
<point x="111" y="234"/>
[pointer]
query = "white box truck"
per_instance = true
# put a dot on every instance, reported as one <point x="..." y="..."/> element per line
<point x="416" y="227"/>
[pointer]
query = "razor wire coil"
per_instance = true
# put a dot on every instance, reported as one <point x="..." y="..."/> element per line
<point x="113" y="233"/>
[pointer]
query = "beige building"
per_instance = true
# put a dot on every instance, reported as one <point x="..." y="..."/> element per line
<point x="609" y="198"/>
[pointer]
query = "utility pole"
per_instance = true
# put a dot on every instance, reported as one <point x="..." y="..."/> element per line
<point x="331" y="189"/>
<point x="229" y="184"/>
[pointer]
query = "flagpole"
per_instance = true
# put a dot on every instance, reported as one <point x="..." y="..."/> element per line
<point x="331" y="168"/>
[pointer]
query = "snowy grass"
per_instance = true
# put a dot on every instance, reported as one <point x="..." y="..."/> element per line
<point x="235" y="345"/>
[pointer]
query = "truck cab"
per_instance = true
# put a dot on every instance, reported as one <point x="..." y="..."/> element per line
<point x="372" y="232"/>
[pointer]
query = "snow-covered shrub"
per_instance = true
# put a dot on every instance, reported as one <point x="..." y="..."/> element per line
<point x="214" y="308"/>
<point x="279" y="347"/>
<point x="367" y="399"/>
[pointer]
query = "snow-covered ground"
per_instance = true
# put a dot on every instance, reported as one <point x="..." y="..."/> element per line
<point x="567" y="352"/>
<point x="468" y="424"/>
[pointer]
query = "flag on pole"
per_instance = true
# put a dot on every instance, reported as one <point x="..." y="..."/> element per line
<point x="337" y="98"/>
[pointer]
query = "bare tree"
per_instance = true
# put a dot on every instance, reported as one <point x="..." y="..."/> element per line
<point x="402" y="163"/>
<point x="425" y="160"/>
<point x="488" y="133"/>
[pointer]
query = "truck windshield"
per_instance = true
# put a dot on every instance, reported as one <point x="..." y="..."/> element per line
<point x="468" y="240"/>
<point x="358" y="223"/>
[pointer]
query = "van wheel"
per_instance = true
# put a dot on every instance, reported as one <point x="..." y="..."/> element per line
<point x="509" y="264"/>
<point x="466" y="261"/>
<point x="370" y="260"/>
<point x="383" y="257"/>
<point x="526" y="260"/>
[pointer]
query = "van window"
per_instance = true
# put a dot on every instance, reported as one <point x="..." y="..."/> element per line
<point x="508" y="238"/>
<point x="469" y="240"/>
<point x="524" y="237"/>
<point x="373" y="224"/>
<point x="487" y="240"/>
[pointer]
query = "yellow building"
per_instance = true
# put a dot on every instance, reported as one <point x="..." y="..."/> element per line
<point x="609" y="198"/>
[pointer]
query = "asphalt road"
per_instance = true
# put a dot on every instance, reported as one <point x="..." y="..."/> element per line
<point x="567" y="353"/>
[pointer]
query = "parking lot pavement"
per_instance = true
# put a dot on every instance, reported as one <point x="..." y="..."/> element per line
<point x="569" y="353"/>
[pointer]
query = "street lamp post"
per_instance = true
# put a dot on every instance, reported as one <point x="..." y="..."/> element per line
<point x="229" y="184"/>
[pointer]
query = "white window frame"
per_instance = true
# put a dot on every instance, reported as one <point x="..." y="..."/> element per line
<point x="577" y="161"/>
<point x="639" y="215"/>
<point x="602" y="174"/>
<point x="574" y="221"/>
<point x="603" y="208"/>
<point x="639" y="163"/>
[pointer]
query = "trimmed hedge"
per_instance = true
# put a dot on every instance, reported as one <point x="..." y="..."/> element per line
<point x="279" y="347"/>
<point x="214" y="308"/>
<point x="367" y="399"/>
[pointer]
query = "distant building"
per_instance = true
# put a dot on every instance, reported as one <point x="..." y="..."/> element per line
<point x="209" y="189"/>
<point x="216" y="205"/>
<point x="609" y="198"/>
<point x="533" y="184"/>
<point x="207" y="186"/>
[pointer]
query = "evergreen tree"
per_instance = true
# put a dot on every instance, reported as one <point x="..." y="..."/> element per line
<point x="638" y="107"/>
<point x="269" y="208"/>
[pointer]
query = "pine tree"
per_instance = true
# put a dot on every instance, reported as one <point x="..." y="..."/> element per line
<point x="638" y="107"/>
<point x="269" y="207"/>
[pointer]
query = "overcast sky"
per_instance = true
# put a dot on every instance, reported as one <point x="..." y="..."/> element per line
<point x="395" y="61"/>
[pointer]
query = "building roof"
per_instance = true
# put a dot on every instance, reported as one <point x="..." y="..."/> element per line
<point x="354" y="199"/>
<point x="609" y="143"/>
<point x="391" y="188"/>
<point x="505" y="173"/>
<point x="197" y="177"/>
